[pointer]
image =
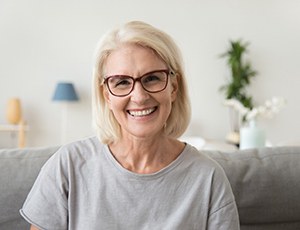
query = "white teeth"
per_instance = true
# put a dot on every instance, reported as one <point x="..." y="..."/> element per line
<point x="141" y="112"/>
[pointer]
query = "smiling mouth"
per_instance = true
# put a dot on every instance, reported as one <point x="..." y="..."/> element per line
<point x="141" y="113"/>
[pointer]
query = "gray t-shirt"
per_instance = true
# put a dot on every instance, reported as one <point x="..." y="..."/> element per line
<point x="82" y="186"/>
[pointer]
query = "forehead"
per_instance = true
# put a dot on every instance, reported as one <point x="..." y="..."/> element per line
<point x="132" y="59"/>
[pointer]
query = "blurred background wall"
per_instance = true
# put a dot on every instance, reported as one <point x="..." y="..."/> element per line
<point x="43" y="42"/>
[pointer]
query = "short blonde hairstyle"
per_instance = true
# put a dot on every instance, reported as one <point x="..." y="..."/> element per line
<point x="139" y="33"/>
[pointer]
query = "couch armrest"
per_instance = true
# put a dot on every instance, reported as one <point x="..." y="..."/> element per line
<point x="18" y="171"/>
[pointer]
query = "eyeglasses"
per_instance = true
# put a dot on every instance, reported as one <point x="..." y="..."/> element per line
<point x="152" y="82"/>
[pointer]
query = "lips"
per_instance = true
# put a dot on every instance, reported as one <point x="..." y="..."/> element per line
<point x="141" y="113"/>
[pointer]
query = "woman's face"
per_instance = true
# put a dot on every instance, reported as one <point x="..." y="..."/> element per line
<point x="140" y="114"/>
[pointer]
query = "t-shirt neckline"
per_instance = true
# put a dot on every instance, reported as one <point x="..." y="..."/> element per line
<point x="112" y="160"/>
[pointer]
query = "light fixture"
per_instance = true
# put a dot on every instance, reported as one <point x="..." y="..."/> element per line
<point x="64" y="93"/>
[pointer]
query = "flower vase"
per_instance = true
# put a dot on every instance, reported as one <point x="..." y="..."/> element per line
<point x="14" y="111"/>
<point x="252" y="136"/>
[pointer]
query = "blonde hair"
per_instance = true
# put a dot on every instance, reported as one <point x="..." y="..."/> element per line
<point x="143" y="34"/>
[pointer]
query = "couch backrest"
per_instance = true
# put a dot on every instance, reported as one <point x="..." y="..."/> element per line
<point x="265" y="182"/>
<point x="18" y="171"/>
<point x="266" y="185"/>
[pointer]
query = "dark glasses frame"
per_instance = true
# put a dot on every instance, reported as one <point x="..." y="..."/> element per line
<point x="139" y="79"/>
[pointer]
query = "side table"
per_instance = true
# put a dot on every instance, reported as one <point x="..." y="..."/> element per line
<point x="20" y="129"/>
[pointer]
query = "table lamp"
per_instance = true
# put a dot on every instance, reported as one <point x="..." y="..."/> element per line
<point x="64" y="93"/>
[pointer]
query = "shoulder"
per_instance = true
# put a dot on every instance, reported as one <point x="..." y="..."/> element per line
<point x="76" y="153"/>
<point x="204" y="168"/>
<point x="199" y="160"/>
<point x="90" y="144"/>
<point x="82" y="148"/>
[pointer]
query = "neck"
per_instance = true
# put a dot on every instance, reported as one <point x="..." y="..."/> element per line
<point x="146" y="156"/>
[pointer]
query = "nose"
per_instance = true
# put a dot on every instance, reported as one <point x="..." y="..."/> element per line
<point x="139" y="94"/>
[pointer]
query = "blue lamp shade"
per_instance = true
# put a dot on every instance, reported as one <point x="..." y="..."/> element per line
<point x="65" y="92"/>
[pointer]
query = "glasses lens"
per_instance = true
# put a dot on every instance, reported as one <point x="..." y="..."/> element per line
<point x="155" y="81"/>
<point x="120" y="85"/>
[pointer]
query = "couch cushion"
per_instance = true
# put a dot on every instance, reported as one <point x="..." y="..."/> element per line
<point x="266" y="185"/>
<point x="18" y="171"/>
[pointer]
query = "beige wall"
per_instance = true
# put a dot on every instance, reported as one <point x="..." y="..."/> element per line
<point x="42" y="42"/>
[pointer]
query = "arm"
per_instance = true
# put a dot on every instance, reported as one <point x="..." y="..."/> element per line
<point x="32" y="227"/>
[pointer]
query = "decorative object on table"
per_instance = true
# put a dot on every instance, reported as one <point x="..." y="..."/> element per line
<point x="14" y="111"/>
<point x="251" y="136"/>
<point x="241" y="75"/>
<point x="16" y="122"/>
<point x="64" y="93"/>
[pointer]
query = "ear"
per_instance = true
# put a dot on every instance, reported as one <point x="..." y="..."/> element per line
<point x="175" y="82"/>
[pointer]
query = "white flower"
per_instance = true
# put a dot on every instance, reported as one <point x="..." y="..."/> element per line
<point x="236" y="105"/>
<point x="268" y="110"/>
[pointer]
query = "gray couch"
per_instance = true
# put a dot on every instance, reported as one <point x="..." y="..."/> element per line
<point x="265" y="182"/>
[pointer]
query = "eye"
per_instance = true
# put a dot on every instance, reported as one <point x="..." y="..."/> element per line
<point x="151" y="78"/>
<point x="120" y="81"/>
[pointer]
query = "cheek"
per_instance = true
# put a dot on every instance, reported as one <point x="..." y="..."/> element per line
<point x="167" y="99"/>
<point x="109" y="99"/>
<point x="111" y="104"/>
<point x="116" y="104"/>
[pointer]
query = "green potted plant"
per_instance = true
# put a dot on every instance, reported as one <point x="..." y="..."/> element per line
<point x="235" y="88"/>
<point x="241" y="73"/>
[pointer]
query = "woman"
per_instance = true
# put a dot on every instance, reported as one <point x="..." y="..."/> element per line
<point x="135" y="174"/>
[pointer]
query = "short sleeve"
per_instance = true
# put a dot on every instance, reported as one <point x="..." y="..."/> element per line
<point x="46" y="204"/>
<point x="223" y="210"/>
<point x="226" y="218"/>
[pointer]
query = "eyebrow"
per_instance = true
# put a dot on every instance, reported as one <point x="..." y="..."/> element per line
<point x="125" y="75"/>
